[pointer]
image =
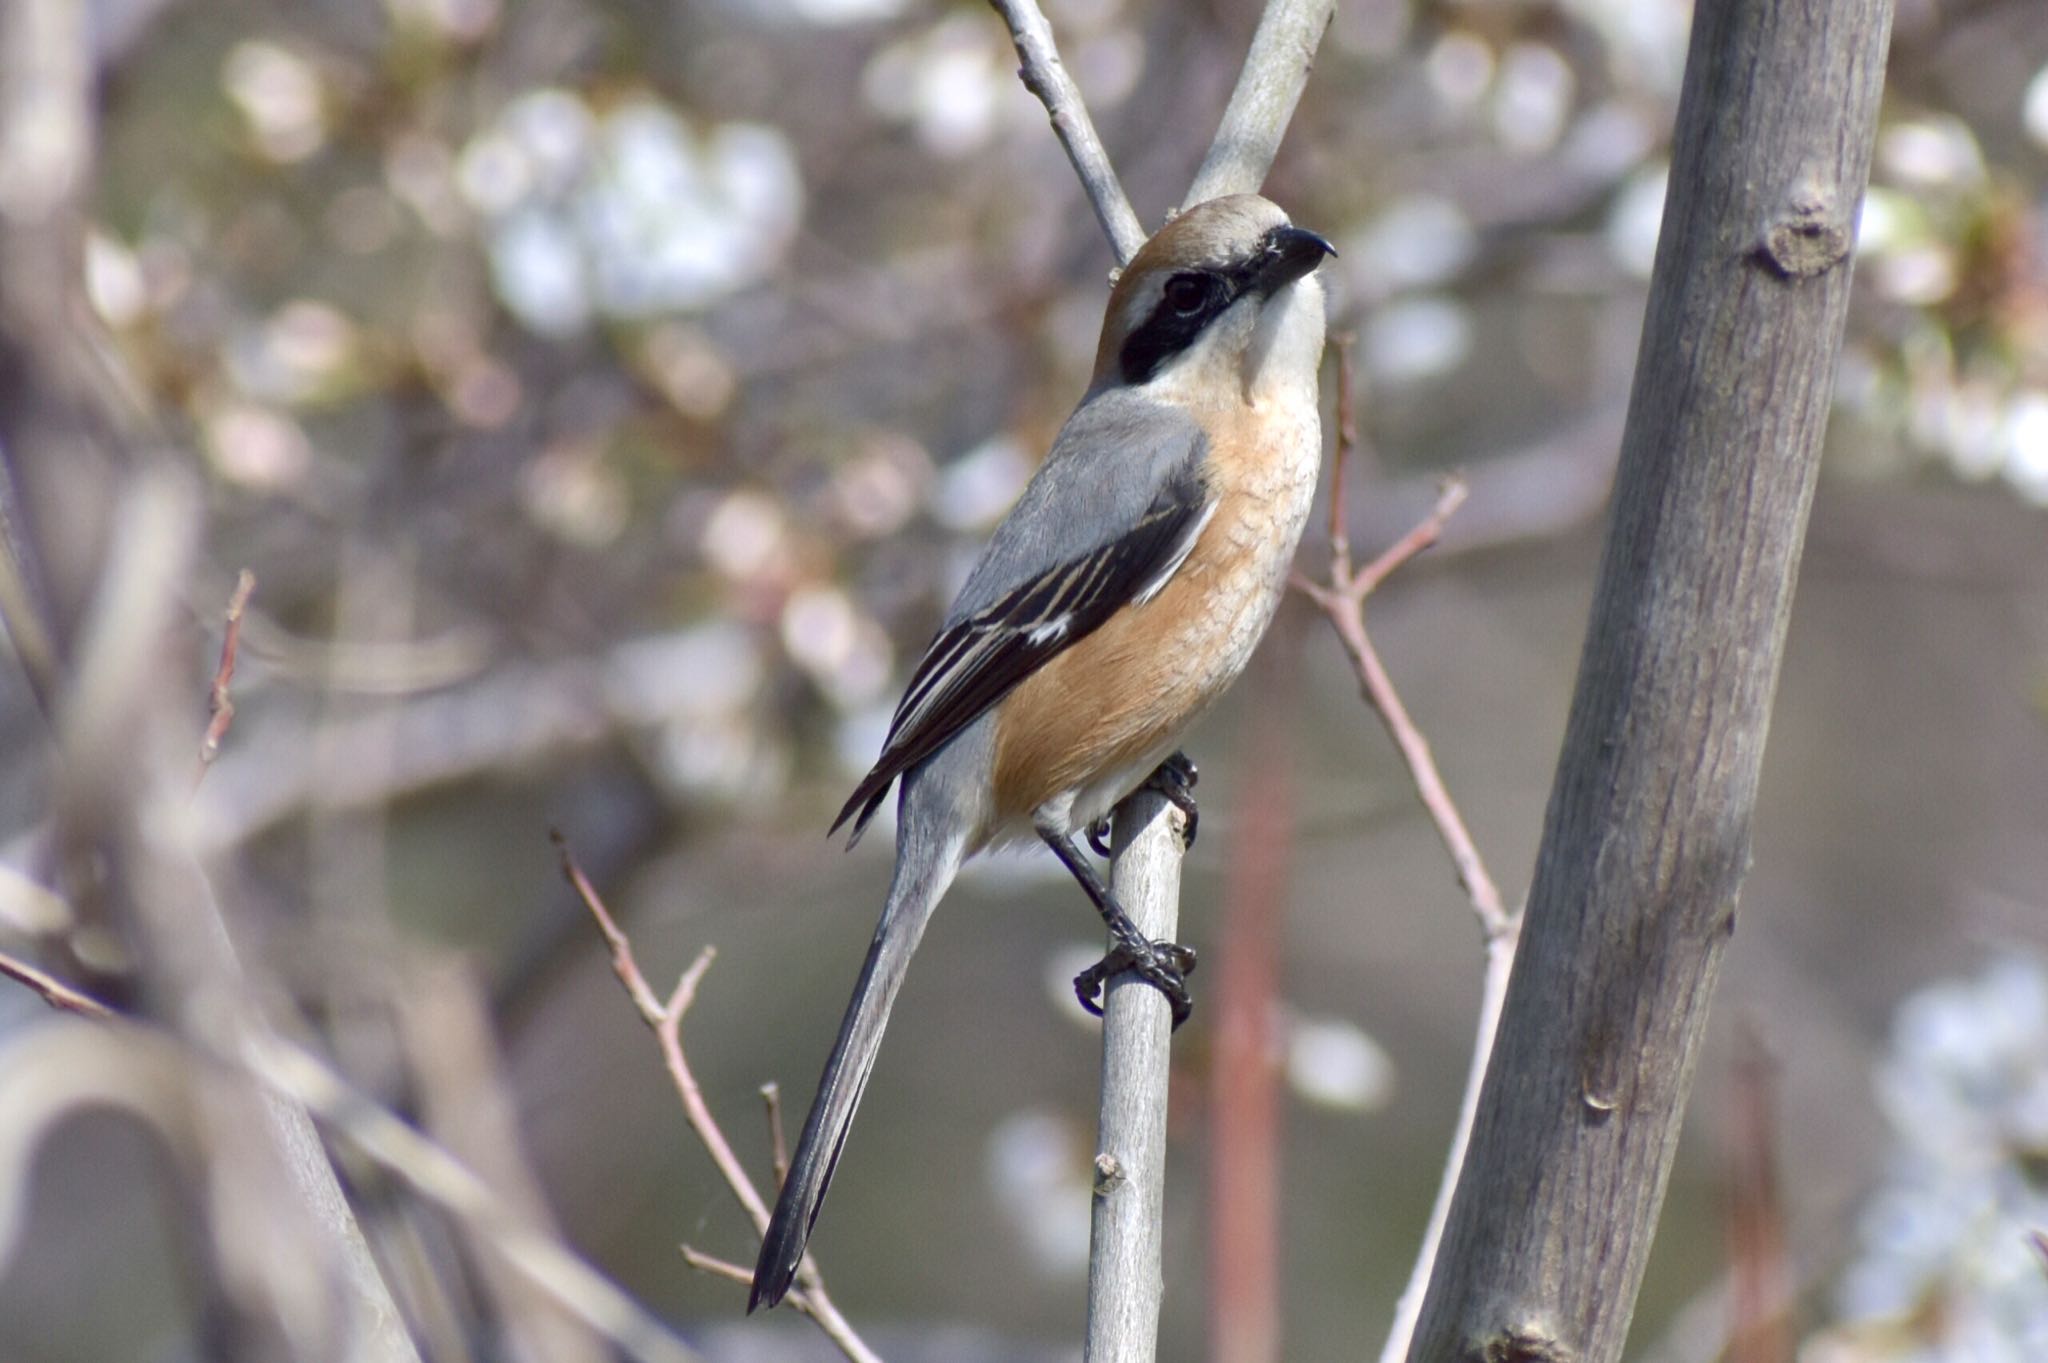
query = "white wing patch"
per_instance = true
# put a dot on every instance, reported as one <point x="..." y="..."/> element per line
<point x="1180" y="556"/>
<point x="1055" y="628"/>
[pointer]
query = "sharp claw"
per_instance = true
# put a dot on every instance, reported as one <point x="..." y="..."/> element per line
<point x="1098" y="837"/>
<point x="1164" y="965"/>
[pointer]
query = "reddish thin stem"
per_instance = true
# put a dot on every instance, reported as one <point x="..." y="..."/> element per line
<point x="220" y="707"/>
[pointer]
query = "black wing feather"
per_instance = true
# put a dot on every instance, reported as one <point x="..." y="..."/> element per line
<point x="975" y="661"/>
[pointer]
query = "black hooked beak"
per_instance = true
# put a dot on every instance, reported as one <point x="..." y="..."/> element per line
<point x="1289" y="253"/>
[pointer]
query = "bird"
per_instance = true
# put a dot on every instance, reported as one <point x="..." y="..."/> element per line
<point x="1121" y="595"/>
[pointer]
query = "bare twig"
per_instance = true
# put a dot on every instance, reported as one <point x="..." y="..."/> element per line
<point x="1045" y="76"/>
<point x="219" y="705"/>
<point x="54" y="991"/>
<point x="666" y="1020"/>
<point x="1342" y="599"/>
<point x="778" y="1146"/>
<point x="1263" y="103"/>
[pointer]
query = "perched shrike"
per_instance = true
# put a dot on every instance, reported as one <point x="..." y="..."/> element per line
<point x="1120" y="596"/>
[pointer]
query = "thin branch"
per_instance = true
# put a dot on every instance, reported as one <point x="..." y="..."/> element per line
<point x="778" y="1146"/>
<point x="54" y="991"/>
<point x="1126" y="1222"/>
<point x="1493" y="992"/>
<point x="219" y="705"/>
<point x="1342" y="599"/>
<point x="1262" y="105"/>
<point x="666" y="1020"/>
<point x="1045" y="76"/>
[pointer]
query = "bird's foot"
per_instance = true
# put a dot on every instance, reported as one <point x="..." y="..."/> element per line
<point x="1163" y="965"/>
<point x="1174" y="781"/>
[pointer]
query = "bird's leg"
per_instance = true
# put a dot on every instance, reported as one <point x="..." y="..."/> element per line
<point x="1174" y="781"/>
<point x="1163" y="965"/>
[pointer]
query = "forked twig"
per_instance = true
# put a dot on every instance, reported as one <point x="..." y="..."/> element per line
<point x="1342" y="599"/>
<point x="666" y="1020"/>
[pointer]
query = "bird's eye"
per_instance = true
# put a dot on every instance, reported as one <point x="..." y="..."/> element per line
<point x="1185" y="293"/>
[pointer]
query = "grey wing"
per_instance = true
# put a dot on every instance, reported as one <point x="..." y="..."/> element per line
<point x="1105" y="523"/>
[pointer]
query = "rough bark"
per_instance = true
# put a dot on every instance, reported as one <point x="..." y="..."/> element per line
<point x="1647" y="836"/>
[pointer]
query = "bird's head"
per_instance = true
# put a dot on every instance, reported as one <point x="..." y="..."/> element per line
<point x="1222" y="295"/>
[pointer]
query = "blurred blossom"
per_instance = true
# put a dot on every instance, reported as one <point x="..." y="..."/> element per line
<point x="2034" y="108"/>
<point x="279" y="95"/>
<point x="300" y="354"/>
<point x="1419" y="242"/>
<point x="553" y="135"/>
<point x="1931" y="153"/>
<point x="1532" y="98"/>
<point x="947" y="82"/>
<point x="1968" y="432"/>
<point x="256" y="447"/>
<point x="1645" y="39"/>
<point x="114" y="281"/>
<point x="464" y="21"/>
<point x="690" y="371"/>
<point x="27" y="908"/>
<point x="1333" y="1063"/>
<point x="421" y="174"/>
<point x="1372" y="28"/>
<point x="1107" y="66"/>
<point x="728" y="760"/>
<point x="571" y="491"/>
<point x="633" y="214"/>
<point x="976" y="489"/>
<point x="844" y="652"/>
<point x="1460" y="68"/>
<point x="857" y="741"/>
<point x="2025" y="438"/>
<point x="1083" y="16"/>
<point x="1608" y="139"/>
<point x="482" y="392"/>
<point x="1415" y="339"/>
<point x="704" y="672"/>
<point x="537" y="264"/>
<point x="493" y="173"/>
<point x="1883" y="223"/>
<point x="831" y="13"/>
<point x="1039" y="1172"/>
<point x="1635" y="219"/>
<point x="1919" y="275"/>
<point x="746" y="536"/>
<point x="877" y="491"/>
<point x="1944" y="1270"/>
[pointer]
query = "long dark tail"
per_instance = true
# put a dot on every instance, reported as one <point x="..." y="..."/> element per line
<point x="924" y="868"/>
